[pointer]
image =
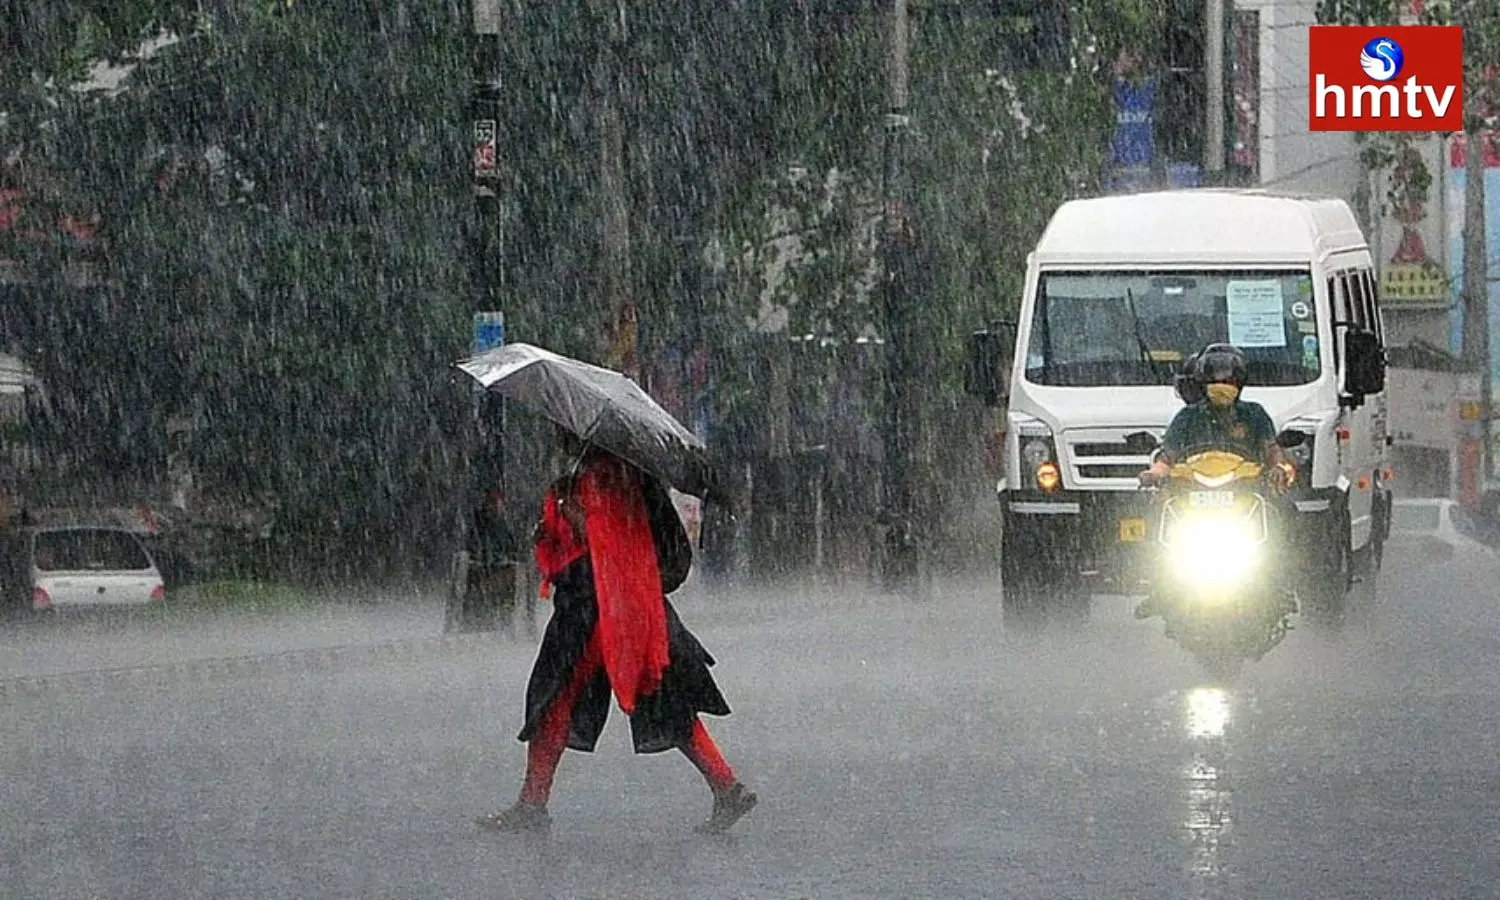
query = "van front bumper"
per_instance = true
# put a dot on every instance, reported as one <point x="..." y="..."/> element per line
<point x="1104" y="536"/>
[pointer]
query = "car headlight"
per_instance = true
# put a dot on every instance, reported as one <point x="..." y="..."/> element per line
<point x="1215" y="550"/>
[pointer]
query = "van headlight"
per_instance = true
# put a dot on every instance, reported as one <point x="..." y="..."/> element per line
<point x="1207" y="551"/>
<point x="1034" y="452"/>
<point x="1039" y="462"/>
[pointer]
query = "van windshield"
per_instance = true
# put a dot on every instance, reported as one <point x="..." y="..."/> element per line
<point x="1094" y="329"/>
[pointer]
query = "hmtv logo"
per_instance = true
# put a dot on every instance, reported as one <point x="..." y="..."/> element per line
<point x="1407" y="78"/>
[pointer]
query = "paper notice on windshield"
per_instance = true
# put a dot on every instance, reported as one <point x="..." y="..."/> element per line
<point x="1255" y="316"/>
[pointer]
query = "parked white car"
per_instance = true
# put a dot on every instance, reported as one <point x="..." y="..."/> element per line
<point x="1431" y="525"/>
<point x="91" y="565"/>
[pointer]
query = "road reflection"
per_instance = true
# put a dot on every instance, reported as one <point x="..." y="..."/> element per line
<point x="1208" y="789"/>
<point x="1207" y="712"/>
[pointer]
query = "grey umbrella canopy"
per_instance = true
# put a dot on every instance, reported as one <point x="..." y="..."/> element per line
<point x="601" y="406"/>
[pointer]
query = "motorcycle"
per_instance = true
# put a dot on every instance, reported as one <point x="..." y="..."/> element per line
<point x="1216" y="582"/>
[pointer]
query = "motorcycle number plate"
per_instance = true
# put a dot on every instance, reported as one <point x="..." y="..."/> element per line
<point x="1132" y="530"/>
<point x="1211" y="499"/>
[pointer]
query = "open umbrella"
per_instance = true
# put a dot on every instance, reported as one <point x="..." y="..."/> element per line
<point x="601" y="406"/>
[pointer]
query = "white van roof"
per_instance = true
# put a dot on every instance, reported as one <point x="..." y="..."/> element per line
<point x="1198" y="226"/>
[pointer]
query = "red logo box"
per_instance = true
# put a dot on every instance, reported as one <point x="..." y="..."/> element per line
<point x="1385" y="79"/>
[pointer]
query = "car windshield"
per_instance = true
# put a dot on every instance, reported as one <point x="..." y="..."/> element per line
<point x="1094" y="329"/>
<point x="1416" y="517"/>
<point x="89" y="549"/>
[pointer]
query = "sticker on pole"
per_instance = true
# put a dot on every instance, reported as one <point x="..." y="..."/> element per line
<point x="486" y="155"/>
<point x="1254" y="312"/>
<point x="489" y="331"/>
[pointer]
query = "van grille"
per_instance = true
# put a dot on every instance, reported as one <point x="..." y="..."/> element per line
<point x="1101" y="458"/>
<point x="1113" y="470"/>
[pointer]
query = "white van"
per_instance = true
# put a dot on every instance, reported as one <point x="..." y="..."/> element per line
<point x="1118" y="292"/>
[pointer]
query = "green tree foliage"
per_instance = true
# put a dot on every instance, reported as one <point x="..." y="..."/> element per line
<point x="284" y="199"/>
<point x="282" y="206"/>
<point x="48" y="45"/>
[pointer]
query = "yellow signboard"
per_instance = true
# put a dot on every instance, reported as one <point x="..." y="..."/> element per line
<point x="1414" y="285"/>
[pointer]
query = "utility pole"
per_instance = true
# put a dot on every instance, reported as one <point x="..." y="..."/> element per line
<point x="902" y="556"/>
<point x="1476" y="334"/>
<point x="483" y="449"/>
<point x="1213" y="96"/>
<point x="1476" y="301"/>
<point x="614" y="217"/>
<point x="486" y="233"/>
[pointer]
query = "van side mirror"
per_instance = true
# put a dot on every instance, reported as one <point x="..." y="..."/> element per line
<point x="990" y="354"/>
<point x="1290" y="438"/>
<point x="1364" y="365"/>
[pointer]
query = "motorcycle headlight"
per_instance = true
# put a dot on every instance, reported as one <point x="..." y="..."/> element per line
<point x="1215" y="550"/>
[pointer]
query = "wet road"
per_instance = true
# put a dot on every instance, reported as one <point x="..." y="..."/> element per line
<point x="899" y="753"/>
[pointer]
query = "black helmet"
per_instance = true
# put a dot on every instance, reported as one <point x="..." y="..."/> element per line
<point x="1188" y="381"/>
<point x="1222" y="364"/>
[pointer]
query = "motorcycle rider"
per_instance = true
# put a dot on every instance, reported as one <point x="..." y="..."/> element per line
<point x="1215" y="416"/>
<point x="1187" y="381"/>
<point x="1220" y="418"/>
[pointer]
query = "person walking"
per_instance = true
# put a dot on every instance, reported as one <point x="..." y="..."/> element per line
<point x="610" y="546"/>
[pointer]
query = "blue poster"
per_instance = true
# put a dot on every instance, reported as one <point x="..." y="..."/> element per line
<point x="1457" y="180"/>
<point x="489" y="331"/>
<point x="1133" y="147"/>
<point x="1134" y="143"/>
<point x="1184" y="175"/>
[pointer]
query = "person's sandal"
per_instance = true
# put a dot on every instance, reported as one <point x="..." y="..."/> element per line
<point x="522" y="817"/>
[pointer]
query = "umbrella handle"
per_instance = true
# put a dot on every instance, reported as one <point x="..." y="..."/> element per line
<point x="577" y="465"/>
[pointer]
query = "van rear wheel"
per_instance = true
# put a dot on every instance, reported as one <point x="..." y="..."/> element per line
<point x="1330" y="576"/>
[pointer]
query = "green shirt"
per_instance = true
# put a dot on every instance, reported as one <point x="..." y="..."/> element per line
<point x="1243" y="428"/>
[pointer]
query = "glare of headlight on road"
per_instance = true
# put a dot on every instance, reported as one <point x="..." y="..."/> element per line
<point x="1207" y="712"/>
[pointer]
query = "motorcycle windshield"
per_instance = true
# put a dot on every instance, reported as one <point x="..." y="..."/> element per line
<point x="1216" y="468"/>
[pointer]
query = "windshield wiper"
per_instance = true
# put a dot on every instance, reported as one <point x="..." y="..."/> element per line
<point x="1140" y="340"/>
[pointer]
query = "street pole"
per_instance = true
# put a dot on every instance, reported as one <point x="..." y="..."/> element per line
<point x="902" y="550"/>
<point x="1476" y="332"/>
<point x="1476" y="305"/>
<point x="486" y="264"/>
<point x="483" y="450"/>
<point x="1213" y="102"/>
<point x="614" y="214"/>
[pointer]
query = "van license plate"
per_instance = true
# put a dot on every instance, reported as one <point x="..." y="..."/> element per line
<point x="1132" y="530"/>
<point x="1211" y="499"/>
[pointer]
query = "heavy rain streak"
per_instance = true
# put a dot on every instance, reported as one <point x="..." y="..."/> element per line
<point x="742" y="448"/>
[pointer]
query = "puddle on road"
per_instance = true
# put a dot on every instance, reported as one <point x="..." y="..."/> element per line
<point x="1208" y="790"/>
